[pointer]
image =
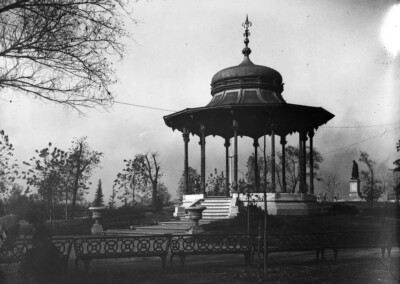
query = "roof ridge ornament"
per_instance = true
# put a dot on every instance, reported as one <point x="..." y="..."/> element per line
<point x="246" y="50"/>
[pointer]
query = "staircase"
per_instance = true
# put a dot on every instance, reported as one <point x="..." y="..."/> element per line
<point x="217" y="208"/>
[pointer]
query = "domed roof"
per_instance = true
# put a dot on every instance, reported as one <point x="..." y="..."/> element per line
<point x="247" y="71"/>
<point x="246" y="74"/>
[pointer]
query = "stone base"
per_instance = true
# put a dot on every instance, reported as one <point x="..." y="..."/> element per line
<point x="354" y="197"/>
<point x="193" y="230"/>
<point x="97" y="228"/>
<point x="192" y="197"/>
<point x="286" y="203"/>
<point x="179" y="211"/>
<point x="188" y="200"/>
<point x="354" y="188"/>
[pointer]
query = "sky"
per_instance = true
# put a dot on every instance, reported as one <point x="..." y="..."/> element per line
<point x="331" y="54"/>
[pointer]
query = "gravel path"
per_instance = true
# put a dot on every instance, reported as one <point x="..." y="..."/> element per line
<point x="352" y="266"/>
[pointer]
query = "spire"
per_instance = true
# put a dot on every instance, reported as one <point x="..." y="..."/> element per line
<point x="246" y="50"/>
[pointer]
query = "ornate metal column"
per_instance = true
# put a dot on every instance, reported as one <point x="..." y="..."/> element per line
<point x="273" y="184"/>
<point x="302" y="162"/>
<point x="235" y="156"/>
<point x="311" y="135"/>
<point x="256" y="171"/>
<point x="304" y="148"/>
<point x="185" y="134"/>
<point x="227" y="144"/>
<point x="301" y="185"/>
<point x="203" y="159"/>
<point x="283" y="143"/>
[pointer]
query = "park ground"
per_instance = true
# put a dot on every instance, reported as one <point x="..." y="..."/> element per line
<point x="352" y="266"/>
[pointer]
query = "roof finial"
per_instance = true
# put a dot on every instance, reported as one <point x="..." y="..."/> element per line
<point x="246" y="50"/>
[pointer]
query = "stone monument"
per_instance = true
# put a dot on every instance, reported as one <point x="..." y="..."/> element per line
<point x="354" y="183"/>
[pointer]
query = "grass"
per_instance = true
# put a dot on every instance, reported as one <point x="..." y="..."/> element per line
<point x="302" y="224"/>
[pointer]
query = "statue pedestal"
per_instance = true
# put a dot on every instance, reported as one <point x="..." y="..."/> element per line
<point x="97" y="228"/>
<point x="354" y="188"/>
<point x="196" y="213"/>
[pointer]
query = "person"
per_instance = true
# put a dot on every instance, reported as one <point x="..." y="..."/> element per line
<point x="354" y="171"/>
<point x="43" y="263"/>
<point x="196" y="186"/>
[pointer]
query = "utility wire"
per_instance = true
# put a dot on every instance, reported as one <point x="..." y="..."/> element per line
<point x="347" y="126"/>
<point x="362" y="126"/>
<point x="361" y="141"/>
<point x="142" y="106"/>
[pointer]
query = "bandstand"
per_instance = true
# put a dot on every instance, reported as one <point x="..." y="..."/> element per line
<point x="247" y="101"/>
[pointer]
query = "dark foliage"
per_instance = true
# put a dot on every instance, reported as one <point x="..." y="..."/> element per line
<point x="98" y="199"/>
<point x="343" y="209"/>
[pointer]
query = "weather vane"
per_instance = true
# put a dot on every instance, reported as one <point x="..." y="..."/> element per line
<point x="246" y="51"/>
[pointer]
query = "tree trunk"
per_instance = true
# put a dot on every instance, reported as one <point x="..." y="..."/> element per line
<point x="154" y="195"/>
<point x="73" y="203"/>
<point x="76" y="181"/>
<point x="66" y="203"/>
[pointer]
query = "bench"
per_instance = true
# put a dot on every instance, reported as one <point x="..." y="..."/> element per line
<point x="291" y="243"/>
<point x="184" y="245"/>
<point x="382" y="240"/>
<point x="106" y="247"/>
<point x="14" y="252"/>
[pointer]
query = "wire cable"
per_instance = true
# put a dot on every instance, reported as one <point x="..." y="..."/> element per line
<point x="142" y="106"/>
<point x="363" y="126"/>
<point x="361" y="141"/>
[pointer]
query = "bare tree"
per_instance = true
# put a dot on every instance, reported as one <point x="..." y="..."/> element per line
<point x="370" y="190"/>
<point x="82" y="161"/>
<point x="8" y="165"/>
<point x="292" y="166"/>
<point x="139" y="174"/>
<point x="330" y="184"/>
<point x="61" y="50"/>
<point x="130" y="182"/>
<point x="153" y="173"/>
<point x="396" y="174"/>
<point x="194" y="179"/>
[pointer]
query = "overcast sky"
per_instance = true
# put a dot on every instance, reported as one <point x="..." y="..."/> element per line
<point x="330" y="54"/>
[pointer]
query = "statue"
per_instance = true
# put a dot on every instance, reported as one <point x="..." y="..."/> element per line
<point x="354" y="171"/>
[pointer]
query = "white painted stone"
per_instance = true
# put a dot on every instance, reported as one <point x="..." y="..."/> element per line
<point x="97" y="228"/>
<point x="192" y="197"/>
<point x="195" y="230"/>
<point x="354" y="187"/>
<point x="179" y="211"/>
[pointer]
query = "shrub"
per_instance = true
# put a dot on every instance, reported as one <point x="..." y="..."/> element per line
<point x="343" y="209"/>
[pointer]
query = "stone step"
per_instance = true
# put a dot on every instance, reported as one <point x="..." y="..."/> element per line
<point x="216" y="217"/>
<point x="218" y="197"/>
<point x="215" y="204"/>
<point x="218" y="209"/>
<point x="182" y="223"/>
<point x="216" y="214"/>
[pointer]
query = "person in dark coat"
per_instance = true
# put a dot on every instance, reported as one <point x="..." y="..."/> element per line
<point x="43" y="263"/>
